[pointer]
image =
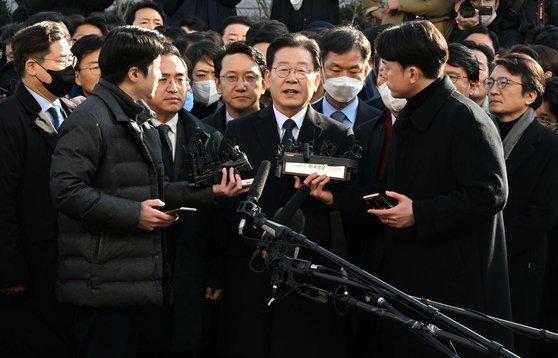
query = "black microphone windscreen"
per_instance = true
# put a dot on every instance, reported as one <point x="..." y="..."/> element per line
<point x="258" y="184"/>
<point x="283" y="216"/>
<point x="296" y="222"/>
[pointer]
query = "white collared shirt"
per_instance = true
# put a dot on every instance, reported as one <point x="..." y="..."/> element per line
<point x="45" y="104"/>
<point x="172" y="123"/>
<point x="297" y="118"/>
<point x="350" y="111"/>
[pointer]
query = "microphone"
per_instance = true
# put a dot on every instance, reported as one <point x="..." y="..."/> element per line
<point x="256" y="190"/>
<point x="291" y="215"/>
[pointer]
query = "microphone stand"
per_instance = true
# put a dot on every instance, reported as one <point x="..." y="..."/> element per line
<point x="280" y="231"/>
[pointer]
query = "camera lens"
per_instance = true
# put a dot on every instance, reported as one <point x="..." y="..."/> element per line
<point x="467" y="9"/>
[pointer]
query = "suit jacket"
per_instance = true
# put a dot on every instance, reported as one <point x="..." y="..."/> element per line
<point x="447" y="157"/>
<point x="365" y="112"/>
<point x="530" y="214"/>
<point x="33" y="323"/>
<point x="195" y="256"/>
<point x="218" y="120"/>
<point x="248" y="327"/>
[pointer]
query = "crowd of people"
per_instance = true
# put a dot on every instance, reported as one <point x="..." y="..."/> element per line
<point x="451" y="108"/>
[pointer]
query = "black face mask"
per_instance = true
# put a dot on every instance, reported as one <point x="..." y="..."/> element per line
<point x="62" y="81"/>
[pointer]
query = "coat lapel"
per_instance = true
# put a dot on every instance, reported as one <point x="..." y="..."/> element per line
<point x="265" y="126"/>
<point x="525" y="148"/>
<point x="311" y="128"/>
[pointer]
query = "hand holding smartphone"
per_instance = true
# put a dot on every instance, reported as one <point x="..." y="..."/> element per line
<point x="379" y="201"/>
<point x="180" y="211"/>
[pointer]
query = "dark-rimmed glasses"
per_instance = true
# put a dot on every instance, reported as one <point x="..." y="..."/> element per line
<point x="501" y="82"/>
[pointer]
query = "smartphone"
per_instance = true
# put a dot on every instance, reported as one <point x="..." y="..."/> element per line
<point x="379" y="201"/>
<point x="247" y="182"/>
<point x="181" y="211"/>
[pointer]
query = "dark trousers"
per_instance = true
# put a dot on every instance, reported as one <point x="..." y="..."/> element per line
<point x="107" y="332"/>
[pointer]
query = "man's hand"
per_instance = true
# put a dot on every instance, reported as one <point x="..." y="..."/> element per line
<point x="212" y="294"/>
<point x="231" y="188"/>
<point x="464" y="23"/>
<point x="151" y="218"/>
<point x="400" y="216"/>
<point x="316" y="183"/>
<point x="14" y="290"/>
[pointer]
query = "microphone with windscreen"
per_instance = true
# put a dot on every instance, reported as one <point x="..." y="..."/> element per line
<point x="249" y="205"/>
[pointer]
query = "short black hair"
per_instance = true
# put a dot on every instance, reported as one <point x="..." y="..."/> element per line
<point x="486" y="50"/>
<point x="86" y="45"/>
<point x="532" y="74"/>
<point x="193" y="23"/>
<point x="34" y="41"/>
<point x="265" y="31"/>
<point x="295" y="40"/>
<point x="461" y="56"/>
<point x="131" y="12"/>
<point x="126" y="47"/>
<point x="414" y="43"/>
<point x="50" y="16"/>
<point x="231" y="20"/>
<point x="171" y="32"/>
<point x="171" y="50"/>
<point x="548" y="58"/>
<point x="481" y="29"/>
<point x="344" y="39"/>
<point x="95" y="19"/>
<point x="550" y="94"/>
<point x="525" y="49"/>
<point x="200" y="51"/>
<point x="240" y="48"/>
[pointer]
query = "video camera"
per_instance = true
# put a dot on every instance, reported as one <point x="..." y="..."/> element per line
<point x="467" y="9"/>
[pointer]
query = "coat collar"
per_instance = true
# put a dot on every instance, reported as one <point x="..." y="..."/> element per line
<point x="525" y="147"/>
<point x="427" y="109"/>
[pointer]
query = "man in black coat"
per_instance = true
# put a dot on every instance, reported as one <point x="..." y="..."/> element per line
<point x="444" y="239"/>
<point x="248" y="327"/>
<point x="345" y="52"/>
<point x="297" y="15"/>
<point x="516" y="86"/>
<point x="107" y="179"/>
<point x="193" y="254"/>
<point x="32" y="323"/>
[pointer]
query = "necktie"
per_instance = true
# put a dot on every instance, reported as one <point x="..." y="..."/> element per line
<point x="166" y="149"/>
<point x="164" y="134"/>
<point x="339" y="117"/>
<point x="56" y="114"/>
<point x="288" y="140"/>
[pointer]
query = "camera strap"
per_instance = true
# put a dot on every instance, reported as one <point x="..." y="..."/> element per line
<point x="541" y="15"/>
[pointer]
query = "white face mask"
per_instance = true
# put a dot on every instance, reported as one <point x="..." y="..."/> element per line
<point x="205" y="92"/>
<point x="343" y="89"/>
<point x="393" y="104"/>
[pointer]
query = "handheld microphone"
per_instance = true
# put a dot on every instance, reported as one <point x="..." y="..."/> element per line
<point x="291" y="215"/>
<point x="255" y="190"/>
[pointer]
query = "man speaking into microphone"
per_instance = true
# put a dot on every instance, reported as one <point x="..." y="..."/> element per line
<point x="248" y="327"/>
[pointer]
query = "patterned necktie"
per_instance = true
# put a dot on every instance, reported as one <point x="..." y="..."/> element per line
<point x="339" y="117"/>
<point x="288" y="140"/>
<point x="166" y="150"/>
<point x="56" y="114"/>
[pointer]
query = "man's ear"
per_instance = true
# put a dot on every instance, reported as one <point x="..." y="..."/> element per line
<point x="134" y="74"/>
<point x="530" y="97"/>
<point x="414" y="74"/>
<point x="31" y="67"/>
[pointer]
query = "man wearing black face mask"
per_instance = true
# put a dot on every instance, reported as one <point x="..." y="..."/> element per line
<point x="32" y="323"/>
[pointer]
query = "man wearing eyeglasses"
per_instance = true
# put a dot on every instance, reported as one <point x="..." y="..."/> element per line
<point x="515" y="90"/>
<point x="32" y="323"/>
<point x="239" y="71"/>
<point x="86" y="50"/>
<point x="247" y="327"/>
<point x="462" y="69"/>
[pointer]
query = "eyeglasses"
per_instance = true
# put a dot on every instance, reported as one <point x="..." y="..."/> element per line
<point x="69" y="60"/>
<point x="454" y="77"/>
<point x="553" y="126"/>
<point x="95" y="70"/>
<point x="299" y="72"/>
<point x="233" y="79"/>
<point x="501" y="82"/>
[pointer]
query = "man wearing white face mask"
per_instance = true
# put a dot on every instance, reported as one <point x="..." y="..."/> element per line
<point x="202" y="73"/>
<point x="345" y="52"/>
